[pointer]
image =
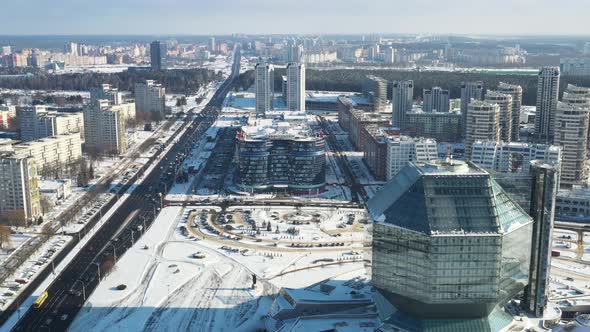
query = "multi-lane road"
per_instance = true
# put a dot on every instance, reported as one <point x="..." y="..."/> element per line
<point x="128" y="221"/>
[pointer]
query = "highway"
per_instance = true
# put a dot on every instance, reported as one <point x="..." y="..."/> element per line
<point x="77" y="281"/>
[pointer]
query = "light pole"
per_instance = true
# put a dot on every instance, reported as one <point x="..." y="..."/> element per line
<point x="114" y="251"/>
<point x="97" y="268"/>
<point x="83" y="288"/>
<point x="132" y="239"/>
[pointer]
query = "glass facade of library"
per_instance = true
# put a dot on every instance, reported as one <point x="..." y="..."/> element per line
<point x="266" y="164"/>
<point x="450" y="246"/>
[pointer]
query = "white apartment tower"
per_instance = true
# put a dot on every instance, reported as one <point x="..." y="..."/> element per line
<point x="483" y="124"/>
<point x="435" y="99"/>
<point x="150" y="97"/>
<point x="19" y="188"/>
<point x="469" y="91"/>
<point x="571" y="133"/>
<point x="295" y="87"/>
<point x="402" y="150"/>
<point x="515" y="91"/>
<point x="402" y="98"/>
<point x="547" y="92"/>
<point x="506" y="118"/>
<point x="264" y="88"/>
<point x="105" y="129"/>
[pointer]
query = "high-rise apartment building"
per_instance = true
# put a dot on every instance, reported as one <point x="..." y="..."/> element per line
<point x="506" y="118"/>
<point x="264" y="88"/>
<point x="402" y="99"/>
<point x="212" y="45"/>
<point x="71" y="48"/>
<point x="401" y="150"/>
<point x="571" y="133"/>
<point x="435" y="99"/>
<point x="545" y="179"/>
<point x="516" y="92"/>
<point x="36" y="122"/>
<point x="158" y="54"/>
<point x="547" y="92"/>
<point x="469" y="91"/>
<point x="448" y="241"/>
<point x="150" y="97"/>
<point x="105" y="129"/>
<point x="375" y="89"/>
<point x="108" y="92"/>
<point x="483" y="124"/>
<point x="295" y="87"/>
<point x="19" y="187"/>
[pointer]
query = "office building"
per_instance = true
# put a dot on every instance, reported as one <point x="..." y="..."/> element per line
<point x="284" y="87"/>
<point x="7" y="116"/>
<point x="158" y="54"/>
<point x="575" y="66"/>
<point x="545" y="183"/>
<point x="515" y="91"/>
<point x="506" y="118"/>
<point x="50" y="154"/>
<point x="36" y="122"/>
<point x="264" y="88"/>
<point x="150" y="98"/>
<point x="19" y="187"/>
<point x="280" y="156"/>
<point x="401" y="150"/>
<point x="571" y="133"/>
<point x="443" y="127"/>
<point x="106" y="127"/>
<point x="435" y="100"/>
<point x="573" y="204"/>
<point x="483" y="124"/>
<point x="547" y="91"/>
<point x="375" y="89"/>
<point x="402" y="99"/>
<point x="512" y="157"/>
<point x="469" y="91"/>
<point x="448" y="242"/>
<point x="296" y="87"/>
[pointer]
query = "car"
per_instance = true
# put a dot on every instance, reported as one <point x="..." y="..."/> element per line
<point x="63" y="317"/>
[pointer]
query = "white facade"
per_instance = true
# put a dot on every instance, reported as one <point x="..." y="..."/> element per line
<point x="150" y="97"/>
<point x="571" y="133"/>
<point x="403" y="149"/>
<point x="575" y="66"/>
<point x="19" y="189"/>
<point x="36" y="122"/>
<point x="483" y="124"/>
<point x="52" y="152"/>
<point x="469" y="91"/>
<point x="515" y="91"/>
<point x="505" y="103"/>
<point x="296" y="87"/>
<point x="512" y="157"/>
<point x="264" y="88"/>
<point x="105" y="128"/>
<point x="7" y="115"/>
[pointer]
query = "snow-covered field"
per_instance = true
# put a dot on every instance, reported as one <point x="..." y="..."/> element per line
<point x="167" y="289"/>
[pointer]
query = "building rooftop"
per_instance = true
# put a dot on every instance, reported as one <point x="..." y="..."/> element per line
<point x="280" y="127"/>
<point x="446" y="197"/>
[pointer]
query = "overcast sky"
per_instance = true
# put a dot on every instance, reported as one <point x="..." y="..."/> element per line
<point x="201" y="17"/>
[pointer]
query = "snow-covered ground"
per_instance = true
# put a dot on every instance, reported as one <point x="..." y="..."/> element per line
<point x="168" y="289"/>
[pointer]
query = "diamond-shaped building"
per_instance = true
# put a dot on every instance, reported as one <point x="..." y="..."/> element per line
<point x="448" y="242"/>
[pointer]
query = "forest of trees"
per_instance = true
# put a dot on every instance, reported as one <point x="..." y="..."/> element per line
<point x="182" y="81"/>
<point x="352" y="79"/>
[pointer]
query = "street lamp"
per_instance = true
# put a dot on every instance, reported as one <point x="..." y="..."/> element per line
<point x="97" y="268"/>
<point x="83" y="288"/>
<point x="132" y="239"/>
<point x="114" y="251"/>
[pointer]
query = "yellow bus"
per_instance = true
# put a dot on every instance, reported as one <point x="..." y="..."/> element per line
<point x="40" y="300"/>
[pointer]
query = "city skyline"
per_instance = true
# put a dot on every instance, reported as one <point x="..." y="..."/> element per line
<point x="424" y="16"/>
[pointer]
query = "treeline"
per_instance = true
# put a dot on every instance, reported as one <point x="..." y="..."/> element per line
<point x="181" y="81"/>
<point x="352" y="80"/>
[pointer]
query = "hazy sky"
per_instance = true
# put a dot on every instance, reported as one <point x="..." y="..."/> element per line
<point x="294" y="16"/>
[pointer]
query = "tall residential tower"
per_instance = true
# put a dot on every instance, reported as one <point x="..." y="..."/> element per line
<point x="547" y="91"/>
<point x="402" y="98"/>
<point x="264" y="88"/>
<point x="295" y="87"/>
